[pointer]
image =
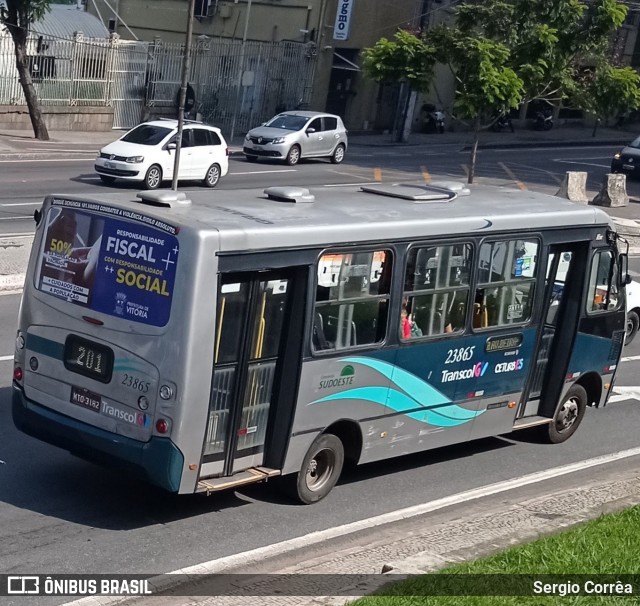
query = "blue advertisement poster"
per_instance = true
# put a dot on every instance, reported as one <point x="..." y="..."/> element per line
<point x="123" y="265"/>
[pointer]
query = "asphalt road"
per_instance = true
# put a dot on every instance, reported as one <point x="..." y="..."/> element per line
<point x="25" y="183"/>
<point x="59" y="514"/>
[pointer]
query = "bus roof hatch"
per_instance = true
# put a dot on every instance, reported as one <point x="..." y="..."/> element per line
<point x="172" y="199"/>
<point x="419" y="193"/>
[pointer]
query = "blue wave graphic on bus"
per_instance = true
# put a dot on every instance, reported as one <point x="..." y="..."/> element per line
<point x="413" y="392"/>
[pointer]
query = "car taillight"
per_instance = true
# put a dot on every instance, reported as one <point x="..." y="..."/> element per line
<point x="226" y="151"/>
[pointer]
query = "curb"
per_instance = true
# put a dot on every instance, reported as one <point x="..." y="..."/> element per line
<point x="12" y="282"/>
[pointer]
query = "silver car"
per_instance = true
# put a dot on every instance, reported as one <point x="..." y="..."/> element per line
<point x="293" y="135"/>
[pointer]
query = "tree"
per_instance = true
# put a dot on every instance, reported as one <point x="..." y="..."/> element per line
<point x="408" y="60"/>
<point x="610" y="91"/>
<point x="17" y="16"/>
<point x="484" y="79"/>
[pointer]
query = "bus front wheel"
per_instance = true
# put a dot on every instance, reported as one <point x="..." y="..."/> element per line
<point x="320" y="469"/>
<point x="568" y="416"/>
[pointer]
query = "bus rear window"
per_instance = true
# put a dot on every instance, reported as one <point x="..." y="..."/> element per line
<point x="121" y="268"/>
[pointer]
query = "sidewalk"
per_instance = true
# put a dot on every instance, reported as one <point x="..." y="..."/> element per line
<point x="22" y="141"/>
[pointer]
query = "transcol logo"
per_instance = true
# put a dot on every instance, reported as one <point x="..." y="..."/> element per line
<point x="476" y="371"/>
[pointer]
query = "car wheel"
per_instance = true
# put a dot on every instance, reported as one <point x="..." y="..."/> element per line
<point x="338" y="154"/>
<point x="107" y="180"/>
<point x="567" y="418"/>
<point x="153" y="178"/>
<point x="320" y="470"/>
<point x="631" y="328"/>
<point x="251" y="158"/>
<point x="213" y="176"/>
<point x="293" y="157"/>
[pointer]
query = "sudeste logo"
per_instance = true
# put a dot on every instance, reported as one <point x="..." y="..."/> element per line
<point x="475" y="372"/>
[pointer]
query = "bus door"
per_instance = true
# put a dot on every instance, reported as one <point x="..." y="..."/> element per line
<point x="253" y="317"/>
<point x="559" y="317"/>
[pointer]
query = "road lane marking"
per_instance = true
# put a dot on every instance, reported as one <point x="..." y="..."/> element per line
<point x="16" y="218"/>
<point x="38" y="160"/>
<point x="521" y="186"/>
<point x="425" y="174"/>
<point x="377" y="174"/>
<point x="582" y="163"/>
<point x="58" y="150"/>
<point x="19" y="203"/>
<point x="629" y="358"/>
<point x="624" y="392"/>
<point x="262" y="172"/>
<point x="313" y="538"/>
<point x="348" y="184"/>
<point x="555" y="177"/>
<point x="5" y="358"/>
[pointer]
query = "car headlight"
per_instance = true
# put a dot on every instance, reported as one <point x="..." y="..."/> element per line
<point x="135" y="159"/>
<point x="247" y="137"/>
<point x="278" y="140"/>
<point x="617" y="156"/>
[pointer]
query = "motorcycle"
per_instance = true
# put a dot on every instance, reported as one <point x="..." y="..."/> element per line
<point x="433" y="119"/>
<point x="543" y="121"/>
<point x="502" y="122"/>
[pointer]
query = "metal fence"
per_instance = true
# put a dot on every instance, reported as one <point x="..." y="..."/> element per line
<point x="237" y="85"/>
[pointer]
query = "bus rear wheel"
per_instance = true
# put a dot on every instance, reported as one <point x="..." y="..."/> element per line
<point x="320" y="469"/>
<point x="567" y="417"/>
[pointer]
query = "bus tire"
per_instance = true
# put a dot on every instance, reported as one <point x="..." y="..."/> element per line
<point x="568" y="416"/>
<point x="633" y="321"/>
<point x="320" y="469"/>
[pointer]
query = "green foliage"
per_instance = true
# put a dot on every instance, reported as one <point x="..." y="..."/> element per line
<point x="610" y="91"/>
<point x="405" y="59"/>
<point x="22" y="13"/>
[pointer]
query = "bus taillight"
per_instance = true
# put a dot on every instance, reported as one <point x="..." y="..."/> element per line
<point x="162" y="426"/>
<point x="17" y="374"/>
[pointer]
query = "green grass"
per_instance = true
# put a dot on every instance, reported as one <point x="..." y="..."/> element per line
<point x="608" y="545"/>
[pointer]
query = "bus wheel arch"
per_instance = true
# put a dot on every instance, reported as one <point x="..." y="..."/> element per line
<point x="320" y="470"/>
<point x="567" y="416"/>
<point x="592" y="384"/>
<point x="350" y="435"/>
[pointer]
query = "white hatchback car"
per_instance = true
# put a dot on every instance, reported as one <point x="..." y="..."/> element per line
<point x="147" y="153"/>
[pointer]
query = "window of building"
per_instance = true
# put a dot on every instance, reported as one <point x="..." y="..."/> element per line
<point x="352" y="299"/>
<point x="506" y="283"/>
<point x="603" y="285"/>
<point x="436" y="292"/>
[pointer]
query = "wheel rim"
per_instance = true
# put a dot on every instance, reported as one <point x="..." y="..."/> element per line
<point x="567" y="415"/>
<point x="294" y="155"/>
<point x="153" y="179"/>
<point x="320" y="469"/>
<point x="213" y="175"/>
<point x="629" y="328"/>
<point x="339" y="155"/>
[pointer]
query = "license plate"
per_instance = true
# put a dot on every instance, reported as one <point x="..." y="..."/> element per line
<point x="628" y="166"/>
<point x="109" y="164"/>
<point x="257" y="147"/>
<point x="87" y="399"/>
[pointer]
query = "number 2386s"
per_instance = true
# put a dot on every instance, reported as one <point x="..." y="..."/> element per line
<point x="135" y="383"/>
<point x="461" y="354"/>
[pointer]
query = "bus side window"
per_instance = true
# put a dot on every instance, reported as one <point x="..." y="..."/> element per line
<point x="352" y="299"/>
<point x="436" y="290"/>
<point x="506" y="283"/>
<point x="603" y="289"/>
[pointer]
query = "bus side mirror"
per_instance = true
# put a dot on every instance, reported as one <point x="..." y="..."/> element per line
<point x="624" y="278"/>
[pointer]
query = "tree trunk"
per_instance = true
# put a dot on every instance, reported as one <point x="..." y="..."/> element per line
<point x="474" y="150"/>
<point x="401" y="112"/>
<point x="37" y="121"/>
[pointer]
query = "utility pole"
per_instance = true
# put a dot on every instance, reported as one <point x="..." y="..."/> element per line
<point x="242" y="53"/>
<point x="186" y="66"/>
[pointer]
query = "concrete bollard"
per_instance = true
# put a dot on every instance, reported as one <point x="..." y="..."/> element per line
<point x="574" y="187"/>
<point x="613" y="192"/>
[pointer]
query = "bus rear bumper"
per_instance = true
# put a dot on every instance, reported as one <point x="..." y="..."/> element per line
<point x="158" y="461"/>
